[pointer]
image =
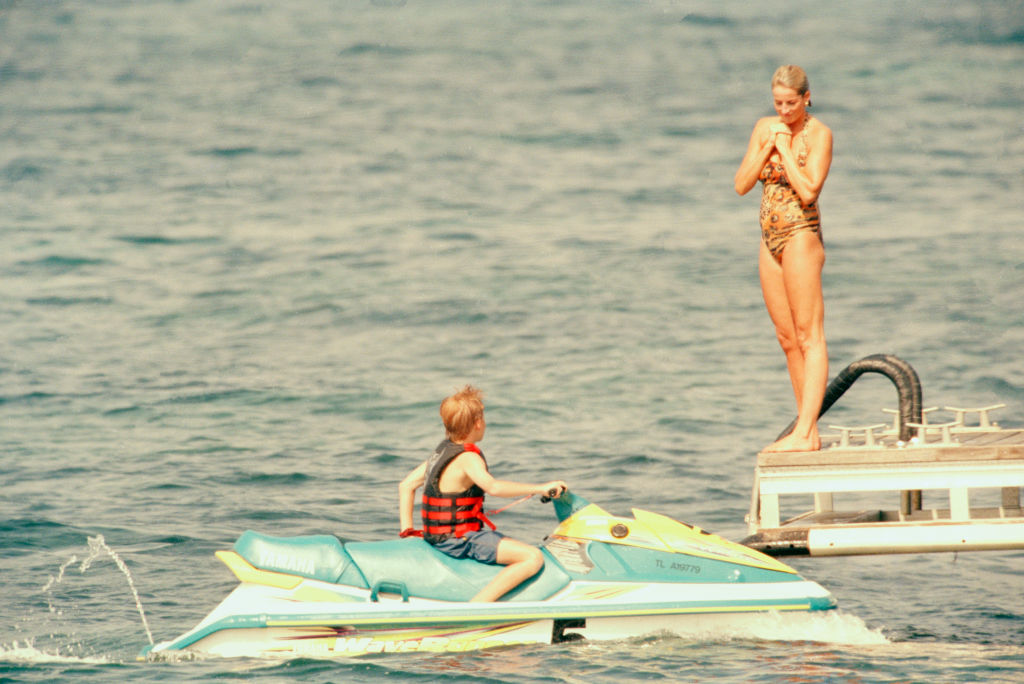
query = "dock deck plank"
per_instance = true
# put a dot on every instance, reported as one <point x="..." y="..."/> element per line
<point x="1004" y="445"/>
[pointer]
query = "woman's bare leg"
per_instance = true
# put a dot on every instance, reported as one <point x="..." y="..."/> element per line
<point x="773" y="287"/>
<point x="803" y="338"/>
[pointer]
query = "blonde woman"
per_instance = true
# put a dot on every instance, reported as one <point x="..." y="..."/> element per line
<point x="791" y="153"/>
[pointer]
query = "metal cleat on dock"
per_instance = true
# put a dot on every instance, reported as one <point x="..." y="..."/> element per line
<point x="868" y="430"/>
<point x="983" y="420"/>
<point x="943" y="428"/>
<point x="895" y="429"/>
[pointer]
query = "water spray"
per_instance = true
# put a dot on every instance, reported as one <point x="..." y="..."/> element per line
<point x="98" y="545"/>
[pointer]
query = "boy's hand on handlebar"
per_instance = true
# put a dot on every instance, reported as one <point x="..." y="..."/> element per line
<point x="553" y="489"/>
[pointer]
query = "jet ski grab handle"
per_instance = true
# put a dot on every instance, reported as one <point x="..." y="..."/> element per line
<point x="389" y="587"/>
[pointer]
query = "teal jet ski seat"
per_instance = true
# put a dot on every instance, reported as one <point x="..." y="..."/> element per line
<point x="410" y="566"/>
<point x="317" y="556"/>
<point x="426" y="572"/>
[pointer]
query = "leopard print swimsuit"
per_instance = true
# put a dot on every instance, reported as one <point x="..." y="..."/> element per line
<point x="783" y="215"/>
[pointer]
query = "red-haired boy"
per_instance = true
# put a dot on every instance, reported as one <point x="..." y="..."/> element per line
<point x="454" y="480"/>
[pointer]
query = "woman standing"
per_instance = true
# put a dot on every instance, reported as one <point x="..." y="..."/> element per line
<point x="791" y="154"/>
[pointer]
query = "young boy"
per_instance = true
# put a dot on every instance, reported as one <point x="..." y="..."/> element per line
<point x="454" y="482"/>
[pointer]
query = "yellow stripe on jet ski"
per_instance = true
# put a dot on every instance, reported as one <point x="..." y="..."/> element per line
<point x="493" y="618"/>
<point x="245" y="572"/>
<point x="593" y="522"/>
<point x="660" y="533"/>
<point x="588" y="593"/>
<point x="693" y="541"/>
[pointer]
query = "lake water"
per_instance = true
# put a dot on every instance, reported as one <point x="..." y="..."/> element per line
<point x="249" y="246"/>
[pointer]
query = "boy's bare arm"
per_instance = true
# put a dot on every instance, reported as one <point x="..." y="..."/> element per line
<point x="406" y="494"/>
<point x="476" y="470"/>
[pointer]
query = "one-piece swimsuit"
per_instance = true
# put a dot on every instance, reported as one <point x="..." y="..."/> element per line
<point x="783" y="215"/>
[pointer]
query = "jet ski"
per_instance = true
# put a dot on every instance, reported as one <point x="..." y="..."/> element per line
<point x="604" y="577"/>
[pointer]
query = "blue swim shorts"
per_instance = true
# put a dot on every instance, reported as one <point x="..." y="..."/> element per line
<point x="481" y="545"/>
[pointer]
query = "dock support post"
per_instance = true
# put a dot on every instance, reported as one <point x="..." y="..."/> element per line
<point x="910" y="501"/>
<point x="770" y="515"/>
<point x="959" y="504"/>
<point x="1011" y="498"/>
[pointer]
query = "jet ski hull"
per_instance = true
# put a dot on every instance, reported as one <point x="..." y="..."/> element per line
<point x="604" y="578"/>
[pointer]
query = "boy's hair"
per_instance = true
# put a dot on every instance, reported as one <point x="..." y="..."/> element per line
<point x="460" y="411"/>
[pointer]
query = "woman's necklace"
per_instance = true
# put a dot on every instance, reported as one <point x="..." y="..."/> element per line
<point x="802" y="157"/>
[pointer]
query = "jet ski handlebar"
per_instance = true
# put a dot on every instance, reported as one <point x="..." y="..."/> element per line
<point x="551" y="494"/>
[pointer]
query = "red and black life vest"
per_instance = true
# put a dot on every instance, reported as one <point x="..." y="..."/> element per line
<point x="450" y="514"/>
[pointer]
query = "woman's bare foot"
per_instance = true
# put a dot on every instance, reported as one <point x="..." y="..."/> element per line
<point x="793" y="443"/>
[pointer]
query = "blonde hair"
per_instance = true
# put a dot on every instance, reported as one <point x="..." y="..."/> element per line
<point x="461" y="411"/>
<point x="791" y="76"/>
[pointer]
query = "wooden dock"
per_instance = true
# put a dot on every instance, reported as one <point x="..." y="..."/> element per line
<point x="961" y="461"/>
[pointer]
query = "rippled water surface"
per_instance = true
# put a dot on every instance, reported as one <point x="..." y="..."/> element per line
<point x="249" y="246"/>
